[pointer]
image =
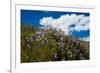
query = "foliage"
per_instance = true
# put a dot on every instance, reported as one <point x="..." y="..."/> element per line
<point x="42" y="45"/>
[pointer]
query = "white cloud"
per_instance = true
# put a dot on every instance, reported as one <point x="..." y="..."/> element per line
<point x="81" y="27"/>
<point x="81" y="22"/>
<point x="85" y="38"/>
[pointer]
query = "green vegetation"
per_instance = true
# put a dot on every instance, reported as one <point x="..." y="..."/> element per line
<point x="42" y="45"/>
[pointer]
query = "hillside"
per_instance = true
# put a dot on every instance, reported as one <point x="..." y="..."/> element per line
<point x="41" y="45"/>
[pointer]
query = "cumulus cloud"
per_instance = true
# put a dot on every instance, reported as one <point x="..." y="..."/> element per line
<point x="64" y="22"/>
<point x="85" y="38"/>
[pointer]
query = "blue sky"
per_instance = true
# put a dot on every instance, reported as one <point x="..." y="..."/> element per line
<point x="34" y="17"/>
